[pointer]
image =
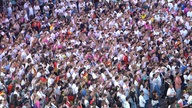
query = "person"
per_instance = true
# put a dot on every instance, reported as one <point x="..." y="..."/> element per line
<point x="133" y="98"/>
<point x="156" y="85"/>
<point x="146" y="95"/>
<point x="155" y="100"/>
<point x="142" y="101"/>
<point x="171" y="93"/>
<point x="178" y="86"/>
<point x="165" y="87"/>
<point x="126" y="104"/>
<point x="189" y="101"/>
<point x="183" y="102"/>
<point x="9" y="11"/>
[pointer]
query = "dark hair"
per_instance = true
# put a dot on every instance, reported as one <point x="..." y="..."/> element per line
<point x="177" y="73"/>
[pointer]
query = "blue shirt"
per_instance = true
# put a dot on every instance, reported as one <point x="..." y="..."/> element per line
<point x="40" y="2"/>
<point x="83" y="92"/>
<point x="7" y="67"/>
<point x="146" y="94"/>
<point x="183" y="68"/>
<point x="183" y="6"/>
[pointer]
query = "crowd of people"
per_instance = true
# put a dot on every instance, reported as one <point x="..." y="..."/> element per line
<point x="96" y="54"/>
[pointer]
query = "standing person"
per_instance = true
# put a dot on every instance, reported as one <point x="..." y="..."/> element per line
<point x="41" y="5"/>
<point x="13" y="102"/>
<point x="96" y="2"/>
<point x="136" y="80"/>
<point x="178" y="85"/>
<point x="171" y="94"/>
<point x="9" y="11"/>
<point x="165" y="87"/>
<point x="31" y="12"/>
<point x="155" y="84"/>
<point x="46" y="9"/>
<point x="146" y="95"/>
<point x="126" y="103"/>
<point x="133" y="98"/>
<point x="142" y="101"/>
<point x="77" y="4"/>
<point x="155" y="100"/>
<point x="36" y="8"/>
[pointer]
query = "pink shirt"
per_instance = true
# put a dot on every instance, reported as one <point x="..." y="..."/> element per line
<point x="186" y="10"/>
<point x="147" y="26"/>
<point x="37" y="104"/>
<point x="178" y="83"/>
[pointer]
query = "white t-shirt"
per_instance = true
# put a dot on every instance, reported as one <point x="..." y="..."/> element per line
<point x="50" y="81"/>
<point x="183" y="32"/>
<point x="171" y="91"/>
<point x="46" y="8"/>
<point x="9" y="10"/>
<point x="41" y="94"/>
<point x="31" y="12"/>
<point x="26" y="5"/>
<point x="188" y="26"/>
<point x="170" y="5"/>
<point x="190" y="77"/>
<point x="189" y="14"/>
<point x="179" y="18"/>
<point x="126" y="104"/>
<point x="190" y="100"/>
<point x="141" y="101"/>
<point x="36" y="9"/>
<point x="75" y="89"/>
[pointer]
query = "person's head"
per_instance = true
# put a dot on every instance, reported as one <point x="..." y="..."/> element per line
<point x="17" y="88"/>
<point x="154" y="92"/>
<point x="170" y="85"/>
<point x="183" y="98"/>
<point x="141" y="92"/>
<point x="178" y="74"/>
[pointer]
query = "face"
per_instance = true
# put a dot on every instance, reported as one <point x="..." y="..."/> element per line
<point x="171" y="86"/>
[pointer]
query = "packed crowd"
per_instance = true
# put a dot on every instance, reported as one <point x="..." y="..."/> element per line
<point x="96" y="54"/>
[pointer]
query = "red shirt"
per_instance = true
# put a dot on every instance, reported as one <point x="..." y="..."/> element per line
<point x="125" y="59"/>
<point x="186" y="55"/>
<point x="55" y="65"/>
<point x="149" y="57"/>
<point x="9" y="89"/>
<point x="38" y="24"/>
<point x="119" y="67"/>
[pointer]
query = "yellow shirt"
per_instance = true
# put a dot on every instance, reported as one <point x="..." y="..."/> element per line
<point x="51" y="27"/>
<point x="143" y="16"/>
